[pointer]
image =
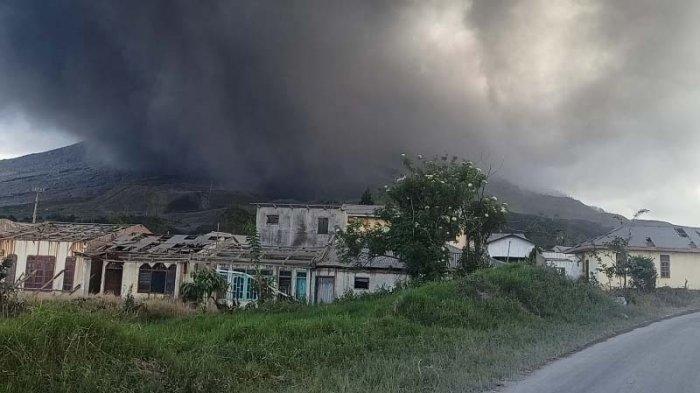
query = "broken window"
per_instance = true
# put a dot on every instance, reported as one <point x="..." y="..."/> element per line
<point x="157" y="279"/>
<point x="323" y="225"/>
<point x="68" y="273"/>
<point x="361" y="282"/>
<point x="273" y="219"/>
<point x="285" y="282"/>
<point x="40" y="271"/>
<point x="665" y="266"/>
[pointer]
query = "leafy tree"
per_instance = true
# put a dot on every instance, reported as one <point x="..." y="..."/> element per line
<point x="367" y="198"/>
<point x="433" y="203"/>
<point x="206" y="286"/>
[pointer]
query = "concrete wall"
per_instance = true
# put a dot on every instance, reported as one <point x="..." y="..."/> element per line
<point x="573" y="268"/>
<point x="59" y="250"/>
<point x="512" y="246"/>
<point x="345" y="280"/>
<point x="298" y="226"/>
<point x="684" y="266"/>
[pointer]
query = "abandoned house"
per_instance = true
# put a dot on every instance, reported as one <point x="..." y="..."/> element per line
<point x="51" y="257"/>
<point x="305" y="235"/>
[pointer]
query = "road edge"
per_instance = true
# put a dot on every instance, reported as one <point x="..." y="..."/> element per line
<point x="508" y="382"/>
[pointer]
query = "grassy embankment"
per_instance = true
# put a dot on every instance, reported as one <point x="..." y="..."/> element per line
<point x="451" y="336"/>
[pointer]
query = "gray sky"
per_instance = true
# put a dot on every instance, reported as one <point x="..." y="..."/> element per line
<point x="597" y="99"/>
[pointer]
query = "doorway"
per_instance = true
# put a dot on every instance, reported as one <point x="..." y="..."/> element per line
<point x="325" y="289"/>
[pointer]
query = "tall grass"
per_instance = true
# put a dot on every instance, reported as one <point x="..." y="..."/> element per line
<point x="449" y="336"/>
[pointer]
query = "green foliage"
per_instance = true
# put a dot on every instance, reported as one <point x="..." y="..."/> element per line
<point x="441" y="336"/>
<point x="548" y="232"/>
<point x="206" y="286"/>
<point x="367" y="198"/>
<point x="432" y="203"/>
<point x="236" y="219"/>
<point x="642" y="272"/>
<point x="10" y="304"/>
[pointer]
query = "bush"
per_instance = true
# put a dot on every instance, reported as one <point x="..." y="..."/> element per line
<point x="642" y="272"/>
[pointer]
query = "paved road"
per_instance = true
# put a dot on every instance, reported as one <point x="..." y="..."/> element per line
<point x="663" y="357"/>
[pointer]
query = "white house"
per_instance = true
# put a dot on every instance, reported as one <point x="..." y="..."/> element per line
<point x="509" y="247"/>
<point x="568" y="264"/>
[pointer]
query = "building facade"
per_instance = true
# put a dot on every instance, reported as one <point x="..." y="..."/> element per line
<point x="509" y="247"/>
<point x="673" y="249"/>
<point x="51" y="257"/>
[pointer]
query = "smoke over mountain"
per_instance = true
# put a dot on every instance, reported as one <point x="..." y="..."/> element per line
<point x="305" y="97"/>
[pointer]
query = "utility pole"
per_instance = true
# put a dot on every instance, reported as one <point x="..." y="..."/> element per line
<point x="36" y="202"/>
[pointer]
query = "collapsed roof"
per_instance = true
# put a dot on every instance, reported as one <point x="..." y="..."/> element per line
<point x="63" y="231"/>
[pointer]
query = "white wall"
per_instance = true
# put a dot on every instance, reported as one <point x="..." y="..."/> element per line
<point x="58" y="250"/>
<point x="512" y="246"/>
<point x="569" y="262"/>
<point x="298" y="226"/>
<point x="345" y="280"/>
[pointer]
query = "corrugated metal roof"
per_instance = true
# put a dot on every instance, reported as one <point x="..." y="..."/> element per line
<point x="499" y="236"/>
<point x="61" y="231"/>
<point x="648" y="235"/>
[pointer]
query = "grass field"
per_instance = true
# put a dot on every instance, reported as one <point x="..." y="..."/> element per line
<point x="462" y="335"/>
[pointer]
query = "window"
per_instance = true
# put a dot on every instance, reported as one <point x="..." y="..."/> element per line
<point x="273" y="219"/>
<point x="665" y="266"/>
<point x="619" y="259"/>
<point x="323" y="226"/>
<point x="40" y="270"/>
<point x="157" y="279"/>
<point x="361" y="282"/>
<point x="68" y="273"/>
<point x="285" y="282"/>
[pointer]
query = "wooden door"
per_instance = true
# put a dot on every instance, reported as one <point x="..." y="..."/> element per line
<point x="325" y="289"/>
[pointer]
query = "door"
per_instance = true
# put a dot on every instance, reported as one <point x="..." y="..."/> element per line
<point x="325" y="289"/>
<point x="113" y="278"/>
<point x="95" y="281"/>
<point x="301" y="287"/>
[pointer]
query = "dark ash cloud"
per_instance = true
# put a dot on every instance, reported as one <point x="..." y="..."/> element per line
<point x="313" y="97"/>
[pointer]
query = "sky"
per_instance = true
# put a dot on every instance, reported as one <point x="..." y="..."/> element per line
<point x="596" y="99"/>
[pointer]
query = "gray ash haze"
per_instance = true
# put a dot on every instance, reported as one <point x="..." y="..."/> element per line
<point x="597" y="99"/>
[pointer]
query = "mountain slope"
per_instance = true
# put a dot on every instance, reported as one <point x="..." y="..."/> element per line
<point x="77" y="187"/>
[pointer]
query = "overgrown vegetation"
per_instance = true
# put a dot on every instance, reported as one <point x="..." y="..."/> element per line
<point x="434" y="202"/>
<point x="441" y="336"/>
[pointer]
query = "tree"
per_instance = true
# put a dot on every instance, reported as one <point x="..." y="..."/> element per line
<point x="367" y="198"/>
<point x="206" y="286"/>
<point x="642" y="273"/>
<point x="433" y="203"/>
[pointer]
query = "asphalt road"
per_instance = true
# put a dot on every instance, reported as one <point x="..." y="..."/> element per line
<point x="663" y="357"/>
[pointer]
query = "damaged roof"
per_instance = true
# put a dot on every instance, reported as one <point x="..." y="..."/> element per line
<point x="647" y="235"/>
<point x="361" y="210"/>
<point x="146" y="245"/>
<point x="63" y="231"/>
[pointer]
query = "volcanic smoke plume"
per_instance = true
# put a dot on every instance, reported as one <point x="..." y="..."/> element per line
<point x="307" y="97"/>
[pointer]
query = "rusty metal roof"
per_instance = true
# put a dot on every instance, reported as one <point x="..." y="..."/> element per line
<point x="62" y="231"/>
